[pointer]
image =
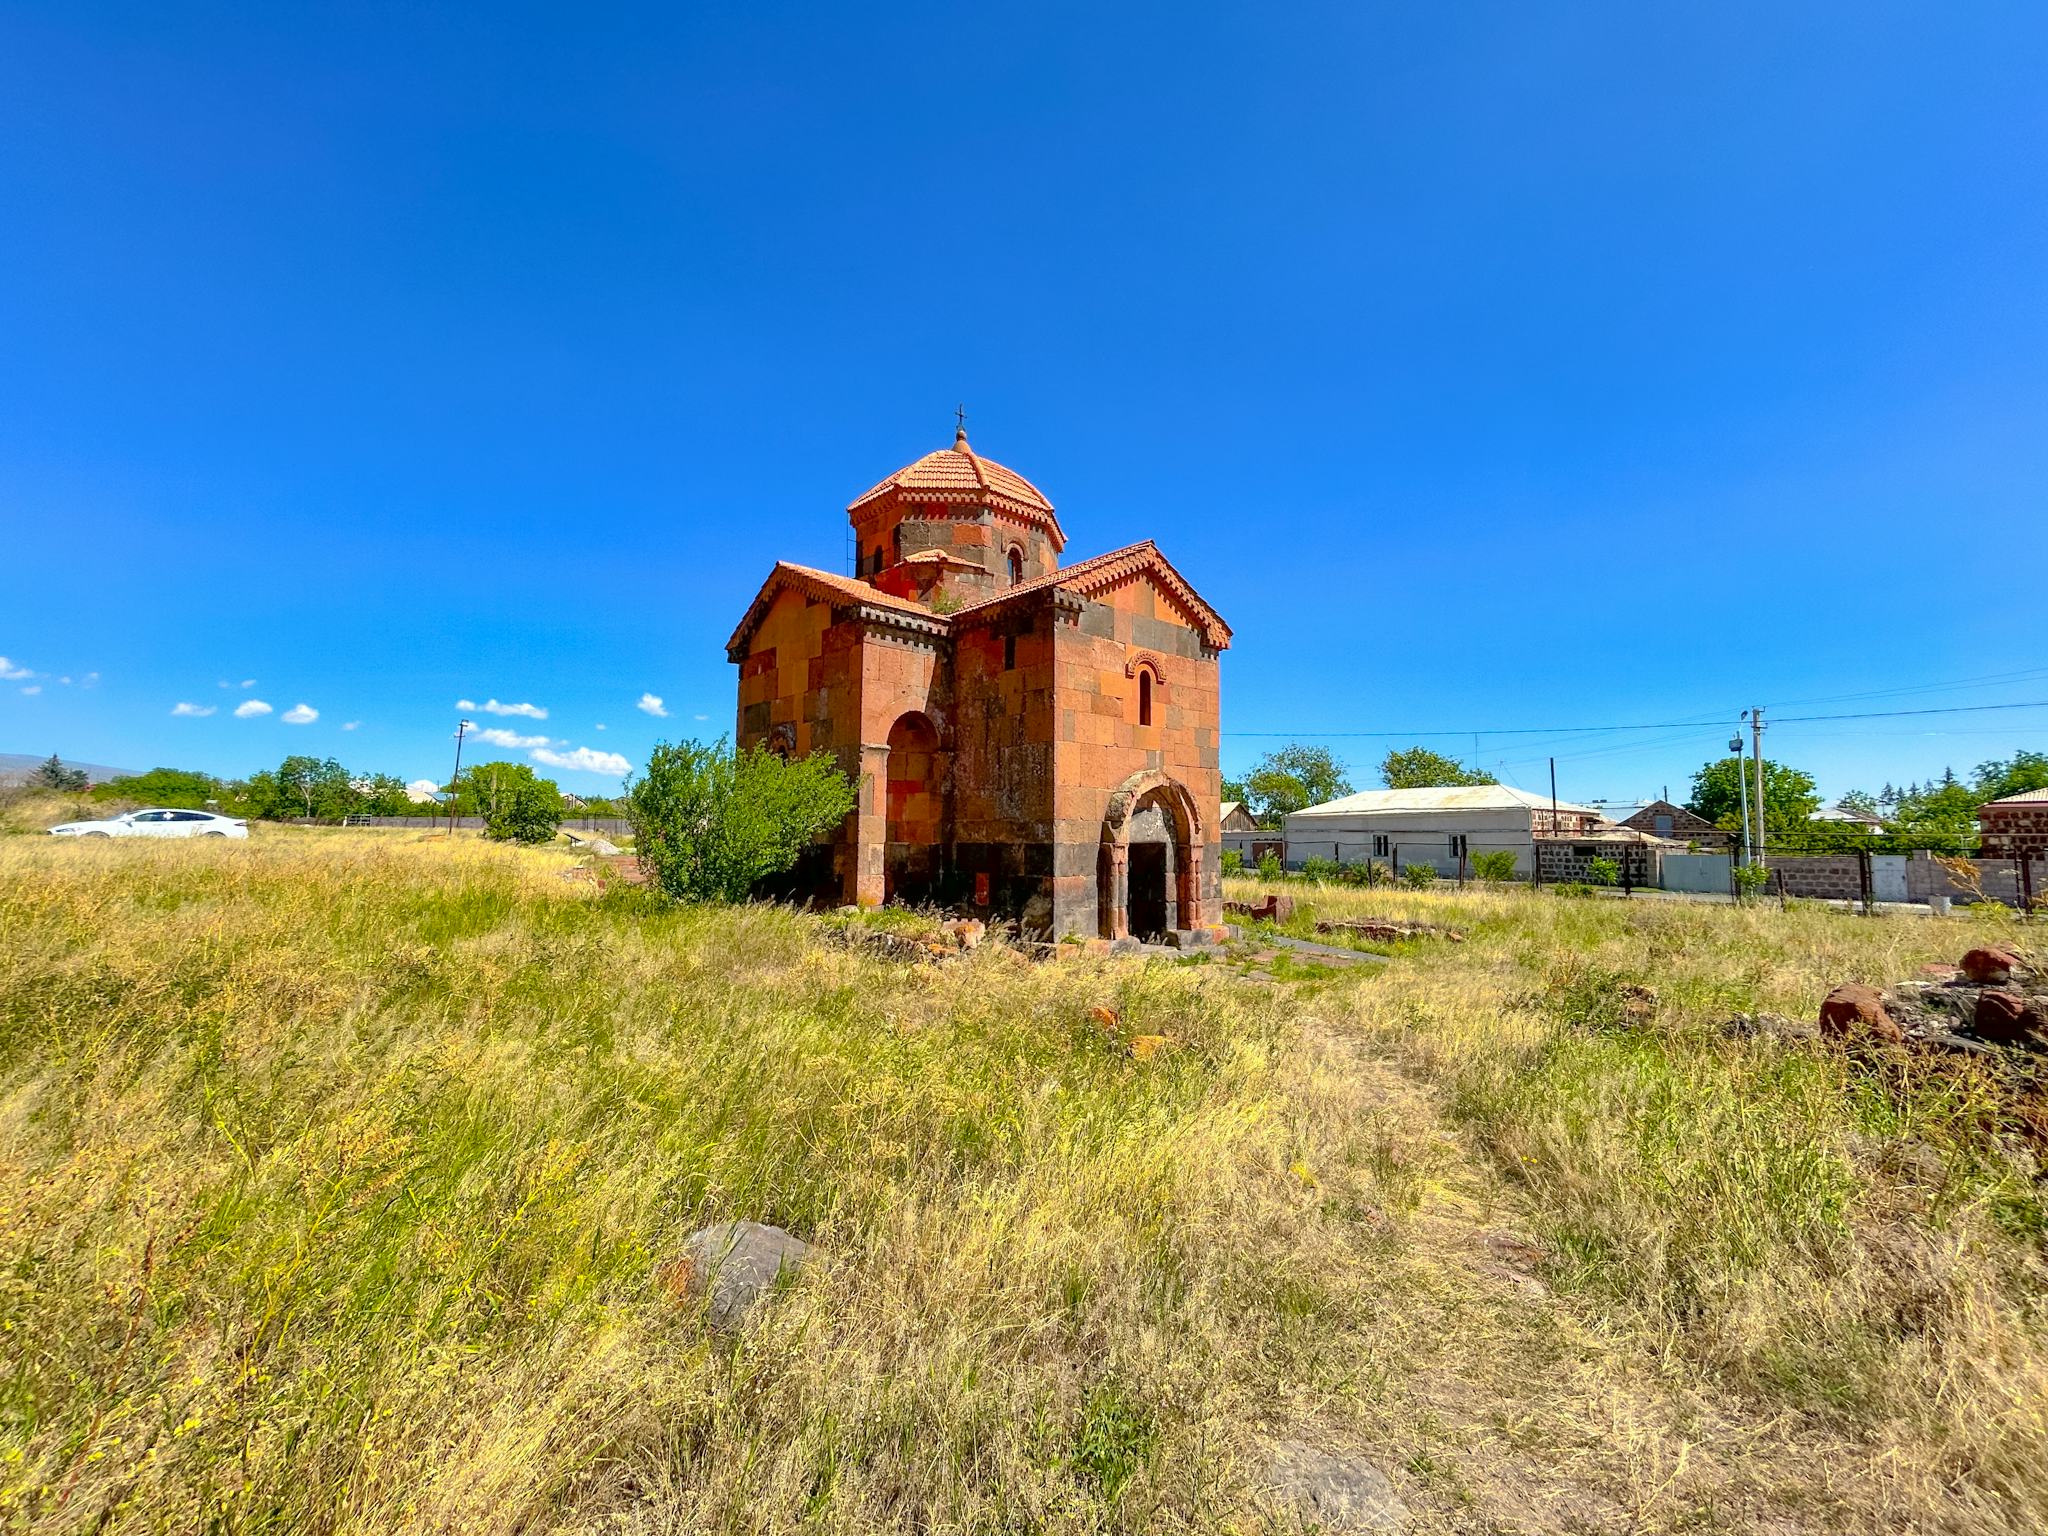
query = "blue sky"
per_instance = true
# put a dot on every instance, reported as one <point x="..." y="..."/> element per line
<point x="1490" y="367"/>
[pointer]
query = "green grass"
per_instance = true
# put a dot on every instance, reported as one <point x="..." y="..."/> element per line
<point x="344" y="1175"/>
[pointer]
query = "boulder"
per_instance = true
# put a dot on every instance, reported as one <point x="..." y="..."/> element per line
<point x="1333" y="1493"/>
<point x="1989" y="966"/>
<point x="1768" y="1026"/>
<point x="2008" y="1018"/>
<point x="735" y="1263"/>
<point x="1855" y="1010"/>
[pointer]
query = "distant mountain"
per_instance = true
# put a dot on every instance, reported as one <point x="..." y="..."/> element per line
<point x="15" y="767"/>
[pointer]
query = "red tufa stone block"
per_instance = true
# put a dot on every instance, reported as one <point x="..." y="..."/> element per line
<point x="1989" y="966"/>
<point x="1854" y="1010"/>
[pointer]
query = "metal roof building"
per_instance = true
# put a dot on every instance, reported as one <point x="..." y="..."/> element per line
<point x="1437" y="826"/>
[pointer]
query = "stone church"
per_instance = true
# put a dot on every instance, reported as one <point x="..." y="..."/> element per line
<point x="1030" y="738"/>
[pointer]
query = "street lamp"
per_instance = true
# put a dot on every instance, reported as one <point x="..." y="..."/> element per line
<point x="455" y="780"/>
<point x="1742" y="794"/>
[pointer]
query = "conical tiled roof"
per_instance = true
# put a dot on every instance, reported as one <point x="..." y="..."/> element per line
<point x="960" y="476"/>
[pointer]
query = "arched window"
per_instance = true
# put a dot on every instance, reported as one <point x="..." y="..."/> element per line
<point x="1016" y="565"/>
<point x="1145" y="696"/>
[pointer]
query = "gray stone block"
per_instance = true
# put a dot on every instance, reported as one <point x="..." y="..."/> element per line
<point x="736" y="1263"/>
<point x="1335" y="1493"/>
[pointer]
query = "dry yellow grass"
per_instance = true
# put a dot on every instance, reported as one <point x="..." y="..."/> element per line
<point x="340" y="1172"/>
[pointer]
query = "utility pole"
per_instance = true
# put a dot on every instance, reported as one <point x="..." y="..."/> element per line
<point x="1756" y="734"/>
<point x="455" y="782"/>
<point x="1742" y="793"/>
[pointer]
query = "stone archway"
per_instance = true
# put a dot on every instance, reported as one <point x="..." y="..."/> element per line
<point x="1151" y="858"/>
<point x="913" y="810"/>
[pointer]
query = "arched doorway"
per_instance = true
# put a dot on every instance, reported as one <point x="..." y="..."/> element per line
<point x="1151" y="862"/>
<point x="913" y="811"/>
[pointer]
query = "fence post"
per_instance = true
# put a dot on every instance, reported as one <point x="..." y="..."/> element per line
<point x="1863" y="876"/>
<point x="1778" y="874"/>
<point x="1461" y="866"/>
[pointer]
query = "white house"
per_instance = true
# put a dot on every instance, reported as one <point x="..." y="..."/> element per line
<point x="1433" y="826"/>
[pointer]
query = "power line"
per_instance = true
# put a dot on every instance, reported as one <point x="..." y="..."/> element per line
<point x="1668" y="725"/>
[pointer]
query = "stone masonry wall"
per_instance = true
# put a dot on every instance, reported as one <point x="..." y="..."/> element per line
<point x="2011" y="829"/>
<point x="1100" y="744"/>
<point x="1563" y="861"/>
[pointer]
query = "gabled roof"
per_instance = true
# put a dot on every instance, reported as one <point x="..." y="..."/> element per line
<point x="2024" y="797"/>
<point x="825" y="587"/>
<point x="1091" y="578"/>
<point x="959" y="476"/>
<point x="1472" y="797"/>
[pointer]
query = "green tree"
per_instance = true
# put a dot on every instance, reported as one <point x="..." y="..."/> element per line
<point x="178" y="788"/>
<point x="1294" y="778"/>
<point x="381" y="794"/>
<point x="55" y="775"/>
<point x="314" y="786"/>
<point x="2022" y="772"/>
<point x="1941" y="816"/>
<point x="517" y="805"/>
<point x="1238" y="790"/>
<point x="1789" y="796"/>
<point x="1420" y="768"/>
<point x="710" y="822"/>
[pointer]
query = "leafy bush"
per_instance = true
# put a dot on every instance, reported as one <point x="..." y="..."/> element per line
<point x="1419" y="877"/>
<point x="1750" y="879"/>
<point x="1497" y="865"/>
<point x="1233" y="862"/>
<point x="708" y="822"/>
<point x="1603" y="871"/>
<point x="518" y="805"/>
<point x="1269" y="865"/>
<point x="1319" y="869"/>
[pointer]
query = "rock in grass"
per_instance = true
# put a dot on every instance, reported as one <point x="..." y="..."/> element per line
<point x="735" y="1264"/>
<point x="1333" y="1493"/>
<point x="1854" y="1010"/>
<point x="1989" y="966"/>
<point x="2008" y="1018"/>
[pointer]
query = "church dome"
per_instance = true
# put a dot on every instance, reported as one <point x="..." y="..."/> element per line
<point x="961" y="477"/>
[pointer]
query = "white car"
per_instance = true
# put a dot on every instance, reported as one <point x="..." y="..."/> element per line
<point x="157" y="824"/>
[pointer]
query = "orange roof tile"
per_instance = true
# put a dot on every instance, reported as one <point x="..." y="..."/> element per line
<point x="960" y="475"/>
<point x="824" y="587"/>
<point x="1101" y="572"/>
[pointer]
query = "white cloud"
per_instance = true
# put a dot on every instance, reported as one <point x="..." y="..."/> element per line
<point x="192" y="711"/>
<point x="11" y="672"/>
<point x="65" y="681"/>
<point x="586" y="760"/>
<point x="700" y="717"/>
<point x="349" y="725"/>
<point x="498" y="736"/>
<point x="250" y="708"/>
<point x="419" y="787"/>
<point x="600" y="725"/>
<point x="650" y="704"/>
<point x="493" y="707"/>
<point x="33" y="688"/>
<point x="300" y="714"/>
<point x="90" y="680"/>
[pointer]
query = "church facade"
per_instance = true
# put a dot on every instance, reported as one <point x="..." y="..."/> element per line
<point x="1030" y="738"/>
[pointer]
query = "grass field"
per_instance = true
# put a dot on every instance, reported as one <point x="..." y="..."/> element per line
<point x="340" y="1174"/>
